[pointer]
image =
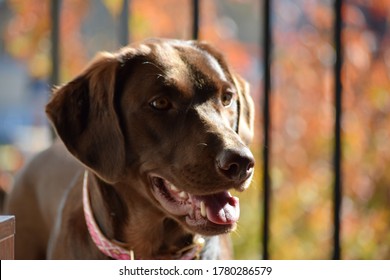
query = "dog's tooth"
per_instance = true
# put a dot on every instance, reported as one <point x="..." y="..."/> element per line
<point x="183" y="195"/>
<point x="203" y="211"/>
<point x="173" y="188"/>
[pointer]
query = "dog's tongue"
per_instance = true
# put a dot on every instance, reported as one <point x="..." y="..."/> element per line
<point x="222" y="208"/>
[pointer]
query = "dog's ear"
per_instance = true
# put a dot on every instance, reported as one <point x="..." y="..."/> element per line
<point x="84" y="116"/>
<point x="245" y="110"/>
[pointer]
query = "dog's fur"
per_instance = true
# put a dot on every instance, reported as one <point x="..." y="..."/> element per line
<point x="166" y="108"/>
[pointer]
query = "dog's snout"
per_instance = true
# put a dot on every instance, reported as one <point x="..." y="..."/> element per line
<point x="236" y="165"/>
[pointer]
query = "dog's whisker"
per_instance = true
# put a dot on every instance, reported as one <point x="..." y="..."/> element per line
<point x="155" y="65"/>
<point x="203" y="144"/>
<point x="160" y="76"/>
<point x="236" y="231"/>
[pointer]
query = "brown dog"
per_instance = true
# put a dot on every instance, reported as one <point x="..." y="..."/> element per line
<point x="162" y="128"/>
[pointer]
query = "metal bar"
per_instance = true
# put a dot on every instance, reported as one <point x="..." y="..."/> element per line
<point x="195" y="19"/>
<point x="267" y="54"/>
<point x="54" y="79"/>
<point x="337" y="195"/>
<point x="55" y="39"/>
<point x="124" y="36"/>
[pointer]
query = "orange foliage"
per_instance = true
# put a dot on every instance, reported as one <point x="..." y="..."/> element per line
<point x="302" y="109"/>
<point x="27" y="36"/>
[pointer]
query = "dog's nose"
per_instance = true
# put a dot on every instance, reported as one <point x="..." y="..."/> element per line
<point x="236" y="165"/>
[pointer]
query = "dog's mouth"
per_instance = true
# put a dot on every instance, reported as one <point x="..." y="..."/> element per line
<point x="206" y="214"/>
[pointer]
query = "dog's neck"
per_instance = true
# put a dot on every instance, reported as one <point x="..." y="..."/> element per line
<point x="142" y="230"/>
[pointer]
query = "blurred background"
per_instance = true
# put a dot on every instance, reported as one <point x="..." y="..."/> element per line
<point x="302" y="104"/>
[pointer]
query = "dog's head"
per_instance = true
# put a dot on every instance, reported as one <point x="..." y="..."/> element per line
<point x="171" y="115"/>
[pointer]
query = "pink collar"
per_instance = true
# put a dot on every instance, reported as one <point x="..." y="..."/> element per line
<point x="107" y="247"/>
<point x="112" y="249"/>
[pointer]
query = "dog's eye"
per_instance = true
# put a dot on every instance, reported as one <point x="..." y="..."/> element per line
<point x="161" y="104"/>
<point x="227" y="98"/>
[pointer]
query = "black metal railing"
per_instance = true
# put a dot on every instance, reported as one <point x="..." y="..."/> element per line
<point x="267" y="54"/>
<point x="195" y="19"/>
<point x="266" y="44"/>
<point x="337" y="154"/>
<point x="337" y="151"/>
<point x="124" y="34"/>
<point x="55" y="39"/>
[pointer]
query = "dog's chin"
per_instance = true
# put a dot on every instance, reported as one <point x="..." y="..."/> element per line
<point x="210" y="214"/>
